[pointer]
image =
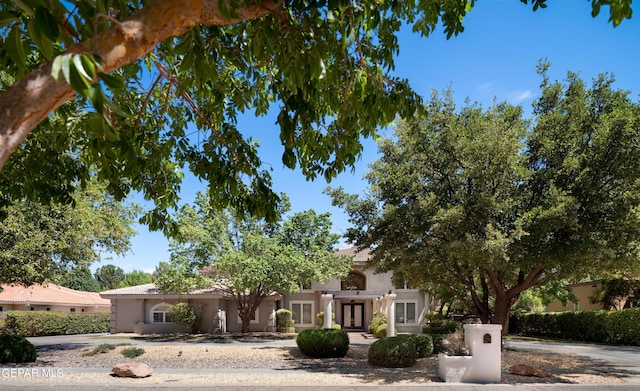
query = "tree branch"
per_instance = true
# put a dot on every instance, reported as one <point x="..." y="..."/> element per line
<point x="30" y="100"/>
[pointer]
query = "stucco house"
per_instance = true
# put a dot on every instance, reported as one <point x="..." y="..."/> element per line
<point x="143" y="309"/>
<point x="50" y="297"/>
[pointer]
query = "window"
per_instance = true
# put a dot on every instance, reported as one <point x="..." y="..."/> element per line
<point x="254" y="319"/>
<point x="403" y="285"/>
<point x="302" y="312"/>
<point x="160" y="314"/>
<point x="305" y="286"/>
<point x="73" y="310"/>
<point x="354" y="282"/>
<point x="405" y="312"/>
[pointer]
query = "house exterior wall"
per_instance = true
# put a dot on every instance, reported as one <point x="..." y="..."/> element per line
<point x="134" y="315"/>
<point x="582" y="292"/>
<point x="354" y="309"/>
<point x="53" y="307"/>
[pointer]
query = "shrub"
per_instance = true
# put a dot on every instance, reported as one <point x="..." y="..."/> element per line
<point x="442" y="326"/>
<point x="437" y="340"/>
<point x="455" y="345"/>
<point x="393" y="352"/>
<point x="381" y="331"/>
<point x="423" y="342"/>
<point x="103" y="348"/>
<point x="607" y="327"/>
<point x="132" y="352"/>
<point x="185" y="313"/>
<point x="38" y="323"/>
<point x="378" y="319"/>
<point x="320" y="320"/>
<point x="16" y="349"/>
<point x="320" y="343"/>
<point x="284" y="321"/>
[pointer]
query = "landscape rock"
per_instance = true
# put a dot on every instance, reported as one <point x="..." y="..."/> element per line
<point x="132" y="369"/>
<point x="527" y="370"/>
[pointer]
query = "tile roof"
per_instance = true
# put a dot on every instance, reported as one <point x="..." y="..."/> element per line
<point x="150" y="289"/>
<point x="49" y="294"/>
<point x="358" y="256"/>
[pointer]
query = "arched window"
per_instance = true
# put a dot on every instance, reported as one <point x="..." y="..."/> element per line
<point x="354" y="282"/>
<point x="160" y="314"/>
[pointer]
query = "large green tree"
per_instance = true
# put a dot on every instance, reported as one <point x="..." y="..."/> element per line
<point x="250" y="258"/>
<point x="41" y="242"/>
<point x="109" y="276"/>
<point x="109" y="87"/>
<point x="80" y="279"/>
<point x="482" y="203"/>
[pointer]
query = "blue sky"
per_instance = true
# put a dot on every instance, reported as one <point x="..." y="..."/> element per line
<point x="495" y="57"/>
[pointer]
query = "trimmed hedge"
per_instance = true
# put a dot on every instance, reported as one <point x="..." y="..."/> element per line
<point x="442" y="326"/>
<point x="39" y="323"/>
<point x="16" y="349"/>
<point x="322" y="343"/>
<point x="606" y="327"/>
<point x="423" y="342"/>
<point x="393" y="352"/>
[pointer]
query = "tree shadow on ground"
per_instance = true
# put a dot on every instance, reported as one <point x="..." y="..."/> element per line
<point x="565" y="369"/>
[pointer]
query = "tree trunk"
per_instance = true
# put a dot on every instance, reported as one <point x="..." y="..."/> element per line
<point x="30" y="100"/>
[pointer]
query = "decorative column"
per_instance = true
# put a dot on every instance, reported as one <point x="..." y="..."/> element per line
<point x="327" y="299"/>
<point x="391" y="313"/>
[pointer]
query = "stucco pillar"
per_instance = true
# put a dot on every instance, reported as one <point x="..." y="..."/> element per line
<point x="327" y="299"/>
<point x="391" y="313"/>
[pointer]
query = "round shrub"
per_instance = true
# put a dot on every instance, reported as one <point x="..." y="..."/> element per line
<point x="16" y="349"/>
<point x="321" y="343"/>
<point x="381" y="331"/>
<point x="437" y="339"/>
<point x="393" y="352"/>
<point x="423" y="342"/>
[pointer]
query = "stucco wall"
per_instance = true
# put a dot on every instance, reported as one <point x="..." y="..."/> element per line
<point x="582" y="292"/>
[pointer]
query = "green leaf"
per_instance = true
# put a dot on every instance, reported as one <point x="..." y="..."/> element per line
<point x="46" y="23"/>
<point x="42" y="42"/>
<point x="24" y="6"/>
<point x="78" y="82"/>
<point x="56" y="67"/>
<point x="97" y="98"/>
<point x="15" y="48"/>
<point x="84" y="66"/>
<point x="113" y="81"/>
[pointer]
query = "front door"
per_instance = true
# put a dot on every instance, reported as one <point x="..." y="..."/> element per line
<point x="353" y="316"/>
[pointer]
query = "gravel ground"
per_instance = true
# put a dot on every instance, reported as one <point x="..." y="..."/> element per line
<point x="219" y="363"/>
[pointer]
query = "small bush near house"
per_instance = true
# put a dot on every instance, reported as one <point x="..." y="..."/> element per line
<point x="378" y="319"/>
<point x="185" y="313"/>
<point x="381" y="331"/>
<point x="132" y="352"/>
<point x="423" y="342"/>
<point x="322" y="343"/>
<point x="16" y="349"/>
<point x="393" y="352"/>
<point x="285" y="323"/>
<point x="320" y="320"/>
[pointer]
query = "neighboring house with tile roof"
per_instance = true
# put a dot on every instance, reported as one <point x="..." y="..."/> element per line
<point x="50" y="297"/>
<point x="143" y="309"/>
